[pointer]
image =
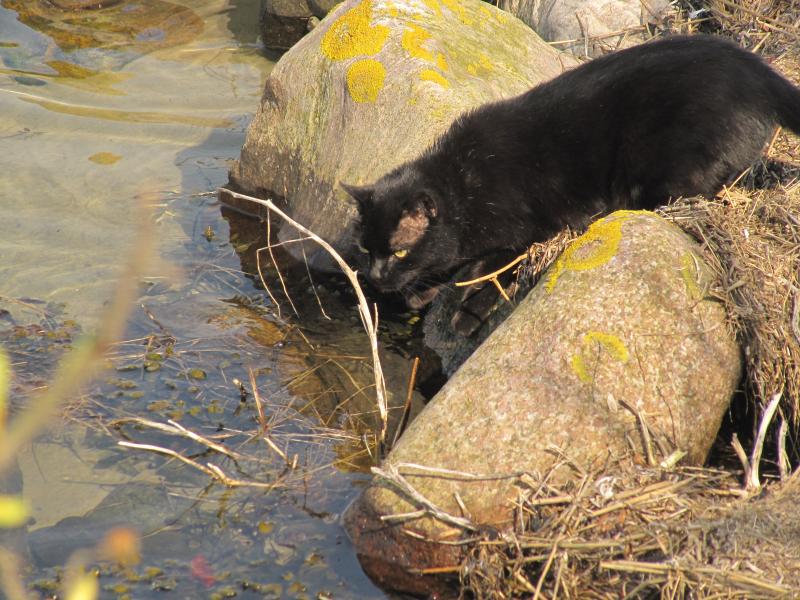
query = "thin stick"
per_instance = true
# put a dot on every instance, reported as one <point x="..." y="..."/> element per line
<point x="784" y="466"/>
<point x="401" y="427"/>
<point x="363" y="307"/>
<point x="277" y="450"/>
<point x="391" y="475"/>
<point x="753" y="484"/>
<point x="275" y="264"/>
<point x="742" y="455"/>
<point x="257" y="397"/>
<point x="311" y="280"/>
<point x="264" y="283"/>
<point x="500" y="289"/>
<point x="644" y="430"/>
<point x="494" y="274"/>
<point x="454" y="474"/>
<point x="209" y="469"/>
<point x="175" y="428"/>
<point x="777" y="131"/>
<point x="545" y="570"/>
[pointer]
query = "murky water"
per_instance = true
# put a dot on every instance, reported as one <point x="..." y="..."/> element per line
<point x="98" y="107"/>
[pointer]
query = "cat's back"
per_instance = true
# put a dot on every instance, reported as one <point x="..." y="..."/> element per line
<point x="655" y="70"/>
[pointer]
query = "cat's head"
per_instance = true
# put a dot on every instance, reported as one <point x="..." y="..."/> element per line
<point x="404" y="230"/>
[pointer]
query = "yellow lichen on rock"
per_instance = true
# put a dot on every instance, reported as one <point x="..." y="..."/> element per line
<point x="690" y="275"/>
<point x="353" y="35"/>
<point x="435" y="77"/>
<point x="365" y="79"/>
<point x="612" y="344"/>
<point x="413" y="39"/>
<point x="434" y="6"/>
<point x="594" y="248"/>
<point x="458" y="9"/>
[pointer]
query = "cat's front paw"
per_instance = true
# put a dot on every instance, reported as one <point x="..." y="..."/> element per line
<point x="464" y="323"/>
<point x="417" y="300"/>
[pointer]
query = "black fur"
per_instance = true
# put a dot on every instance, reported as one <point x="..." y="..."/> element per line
<point x="677" y="117"/>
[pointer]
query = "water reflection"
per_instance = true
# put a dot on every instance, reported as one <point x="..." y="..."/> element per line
<point x="93" y="111"/>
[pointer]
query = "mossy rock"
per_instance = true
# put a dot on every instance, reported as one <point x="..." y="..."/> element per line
<point x="370" y="87"/>
<point x="619" y="330"/>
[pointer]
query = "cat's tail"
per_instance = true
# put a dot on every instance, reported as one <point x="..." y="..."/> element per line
<point x="786" y="98"/>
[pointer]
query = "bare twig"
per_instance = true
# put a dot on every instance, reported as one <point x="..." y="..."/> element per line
<point x="493" y="275"/>
<point x="175" y="428"/>
<point x="401" y="426"/>
<point x="644" y="430"/>
<point x="209" y="469"/>
<point x="262" y="420"/>
<point x="753" y="484"/>
<point x="391" y="475"/>
<point x="363" y="308"/>
<point x="784" y="466"/>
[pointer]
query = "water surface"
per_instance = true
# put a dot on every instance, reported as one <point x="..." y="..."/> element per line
<point x="97" y="109"/>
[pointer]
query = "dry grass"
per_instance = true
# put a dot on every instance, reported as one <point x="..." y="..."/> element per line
<point x="645" y="534"/>
<point x="752" y="241"/>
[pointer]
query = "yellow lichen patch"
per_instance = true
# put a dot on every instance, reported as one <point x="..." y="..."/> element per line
<point x="365" y="80"/>
<point x="690" y="275"/>
<point x="352" y="34"/>
<point x="610" y="342"/>
<point x="434" y="6"/>
<point x="104" y="158"/>
<point x="579" y="368"/>
<point x="456" y="7"/>
<point x="412" y="41"/>
<point x="593" y="249"/>
<point x="435" y="77"/>
<point x="441" y="62"/>
<point x="485" y="62"/>
<point x="472" y="69"/>
<point x="597" y="341"/>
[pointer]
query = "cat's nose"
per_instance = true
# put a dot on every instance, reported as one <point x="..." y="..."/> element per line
<point x="377" y="270"/>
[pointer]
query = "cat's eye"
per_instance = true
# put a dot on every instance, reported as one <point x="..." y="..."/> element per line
<point x="362" y="249"/>
<point x="401" y="254"/>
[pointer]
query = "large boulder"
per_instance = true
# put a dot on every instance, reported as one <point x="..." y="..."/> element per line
<point x="369" y="88"/>
<point x="620" y="336"/>
<point x="588" y="27"/>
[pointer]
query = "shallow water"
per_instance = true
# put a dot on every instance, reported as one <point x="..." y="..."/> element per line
<point x="95" y="111"/>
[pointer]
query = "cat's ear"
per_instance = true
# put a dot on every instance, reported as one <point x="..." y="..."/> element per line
<point x="363" y="194"/>
<point x="424" y="202"/>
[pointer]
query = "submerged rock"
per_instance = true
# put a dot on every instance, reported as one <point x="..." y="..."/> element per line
<point x="369" y="88"/>
<point x="588" y="27"/>
<point x="619" y="332"/>
<point x="284" y="22"/>
<point x="140" y="27"/>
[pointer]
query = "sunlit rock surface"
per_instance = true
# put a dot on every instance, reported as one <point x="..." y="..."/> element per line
<point x="620" y="329"/>
<point x="589" y="27"/>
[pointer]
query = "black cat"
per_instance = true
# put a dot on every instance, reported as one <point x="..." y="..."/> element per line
<point x="677" y="117"/>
